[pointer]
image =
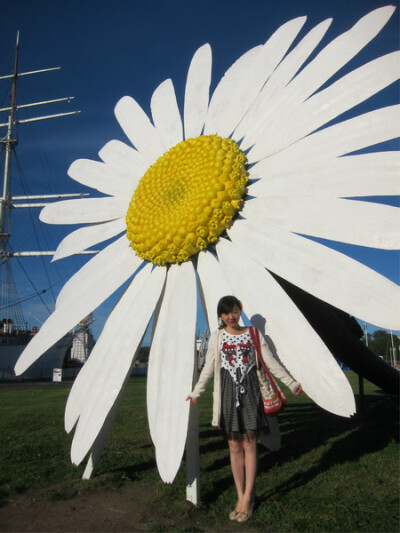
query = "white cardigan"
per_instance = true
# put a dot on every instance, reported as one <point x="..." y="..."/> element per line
<point x="212" y="367"/>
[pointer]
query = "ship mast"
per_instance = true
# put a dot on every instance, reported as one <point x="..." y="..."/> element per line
<point x="9" y="141"/>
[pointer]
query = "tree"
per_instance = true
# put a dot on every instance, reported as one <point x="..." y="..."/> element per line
<point x="380" y="342"/>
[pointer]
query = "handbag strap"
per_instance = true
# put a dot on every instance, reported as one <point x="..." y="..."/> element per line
<point x="255" y="336"/>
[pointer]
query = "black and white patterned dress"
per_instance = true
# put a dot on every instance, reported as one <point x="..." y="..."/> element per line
<point x="241" y="411"/>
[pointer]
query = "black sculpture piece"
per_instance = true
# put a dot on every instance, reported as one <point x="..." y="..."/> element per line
<point x="342" y="335"/>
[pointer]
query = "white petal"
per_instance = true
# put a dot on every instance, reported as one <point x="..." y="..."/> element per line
<point x="109" y="268"/>
<point x="197" y="92"/>
<point x="86" y="383"/>
<point x="101" y="177"/>
<point x="323" y="272"/>
<point x="271" y="93"/>
<point x="342" y="49"/>
<point x="328" y="104"/>
<point x="124" y="158"/>
<point x="348" y="136"/>
<point x="113" y="355"/>
<point x="213" y="285"/>
<point x="85" y="211"/>
<point x="243" y="81"/>
<point x="334" y="56"/>
<point x="234" y="75"/>
<point x="139" y="130"/>
<point x="98" y="445"/>
<point x="336" y="219"/>
<point x="170" y="372"/>
<point x="303" y="353"/>
<point x="375" y="174"/>
<point x="85" y="291"/>
<point x="86" y="237"/>
<point x="166" y="116"/>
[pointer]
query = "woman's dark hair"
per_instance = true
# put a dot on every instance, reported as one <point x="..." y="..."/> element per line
<point x="226" y="304"/>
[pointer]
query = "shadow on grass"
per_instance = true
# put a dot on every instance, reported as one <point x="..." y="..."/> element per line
<point x="215" y="441"/>
<point x="306" y="427"/>
<point x="133" y="472"/>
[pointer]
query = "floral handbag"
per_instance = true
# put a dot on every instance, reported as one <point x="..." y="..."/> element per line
<point x="273" y="398"/>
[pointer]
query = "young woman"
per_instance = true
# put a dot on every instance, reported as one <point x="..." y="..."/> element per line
<point x="237" y="407"/>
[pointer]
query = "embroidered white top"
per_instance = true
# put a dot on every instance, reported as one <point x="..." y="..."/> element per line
<point x="237" y="357"/>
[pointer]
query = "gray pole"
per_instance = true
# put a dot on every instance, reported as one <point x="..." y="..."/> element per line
<point x="9" y="145"/>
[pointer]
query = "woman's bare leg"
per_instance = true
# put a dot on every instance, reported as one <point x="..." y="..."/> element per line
<point x="250" y="467"/>
<point x="236" y="452"/>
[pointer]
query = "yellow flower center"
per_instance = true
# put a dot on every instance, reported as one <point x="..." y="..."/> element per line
<point x="186" y="199"/>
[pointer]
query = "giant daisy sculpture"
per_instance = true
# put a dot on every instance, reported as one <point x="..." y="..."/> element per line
<point x="212" y="203"/>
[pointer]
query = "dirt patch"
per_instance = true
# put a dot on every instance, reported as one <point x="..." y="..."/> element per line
<point x="130" y="509"/>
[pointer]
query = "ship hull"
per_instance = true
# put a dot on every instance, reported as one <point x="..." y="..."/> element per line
<point x="41" y="369"/>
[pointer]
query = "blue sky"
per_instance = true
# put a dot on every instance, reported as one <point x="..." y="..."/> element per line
<point x="111" y="49"/>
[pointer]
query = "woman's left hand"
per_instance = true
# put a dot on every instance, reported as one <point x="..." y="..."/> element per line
<point x="299" y="390"/>
<point x="191" y="400"/>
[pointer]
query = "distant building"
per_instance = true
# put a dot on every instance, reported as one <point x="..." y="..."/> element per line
<point x="83" y="341"/>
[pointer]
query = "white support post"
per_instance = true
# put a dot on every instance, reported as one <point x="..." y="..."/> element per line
<point x="192" y="449"/>
<point x="192" y="458"/>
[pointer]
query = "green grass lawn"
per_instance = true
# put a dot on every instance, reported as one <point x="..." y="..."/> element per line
<point x="332" y="474"/>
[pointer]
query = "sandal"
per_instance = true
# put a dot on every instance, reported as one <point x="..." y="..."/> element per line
<point x="243" y="517"/>
<point x="233" y="515"/>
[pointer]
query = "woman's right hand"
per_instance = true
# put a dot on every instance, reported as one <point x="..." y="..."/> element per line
<point x="192" y="400"/>
<point x="299" y="390"/>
